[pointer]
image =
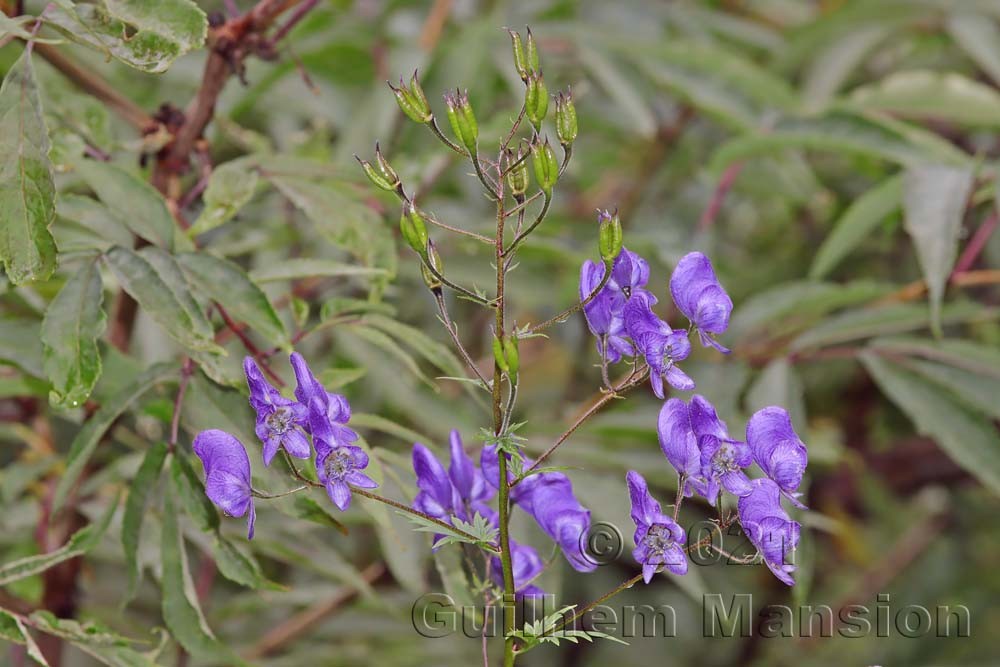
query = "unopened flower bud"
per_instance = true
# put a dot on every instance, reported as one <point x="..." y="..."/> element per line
<point x="434" y="259"/>
<point x="520" y="57"/>
<point x="546" y="165"/>
<point x="566" y="127"/>
<point x="517" y="176"/>
<point x="462" y="120"/>
<point x="412" y="100"/>
<point x="414" y="229"/>
<point x="609" y="236"/>
<point x="536" y="100"/>
<point x="385" y="176"/>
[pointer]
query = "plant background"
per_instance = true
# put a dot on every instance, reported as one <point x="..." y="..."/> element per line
<point x="788" y="140"/>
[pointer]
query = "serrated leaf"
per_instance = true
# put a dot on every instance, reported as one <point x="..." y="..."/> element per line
<point x="230" y="187"/>
<point x="293" y="269"/>
<point x="73" y="323"/>
<point x="924" y="94"/>
<point x="105" y="646"/>
<point x="85" y="442"/>
<point x="134" y="202"/>
<point x="191" y="492"/>
<point x="842" y="131"/>
<point x="155" y="280"/>
<point x="142" y="486"/>
<point x="27" y="191"/>
<point x="227" y="283"/>
<point x="969" y="439"/>
<point x="143" y="34"/>
<point x="181" y="611"/>
<point x="934" y="200"/>
<point x="78" y="544"/>
<point x="856" y="223"/>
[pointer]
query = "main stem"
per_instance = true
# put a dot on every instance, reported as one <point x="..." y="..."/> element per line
<point x="506" y="559"/>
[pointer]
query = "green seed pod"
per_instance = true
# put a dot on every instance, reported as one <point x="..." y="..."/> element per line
<point x="517" y="177"/>
<point x="434" y="259"/>
<point x="377" y="179"/>
<point x="536" y="100"/>
<point x="520" y="57"/>
<point x="462" y="120"/>
<point x="499" y="356"/>
<point x="414" y="229"/>
<point x="545" y="173"/>
<point x="609" y="236"/>
<point x="532" y="53"/>
<point x="419" y="99"/>
<point x="511" y="354"/>
<point x="566" y="127"/>
<point x="409" y="104"/>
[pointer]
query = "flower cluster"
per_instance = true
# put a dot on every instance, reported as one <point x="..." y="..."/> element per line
<point x="283" y="423"/>
<point x="621" y="315"/>
<point x="694" y="439"/>
<point x="462" y="491"/>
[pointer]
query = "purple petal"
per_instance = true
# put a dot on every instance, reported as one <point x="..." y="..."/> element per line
<point x="776" y="447"/>
<point x="251" y="521"/>
<point x="361" y="480"/>
<point x="340" y="494"/>
<point x="270" y="449"/>
<point x="698" y="295"/>
<point x="736" y="482"/>
<point x="677" y="440"/>
<point x="678" y="379"/>
<point x="648" y="570"/>
<point x="228" y="491"/>
<point x="220" y="450"/>
<point x="296" y="444"/>
<point x="461" y="470"/>
<point x="644" y="506"/>
<point x="431" y="476"/>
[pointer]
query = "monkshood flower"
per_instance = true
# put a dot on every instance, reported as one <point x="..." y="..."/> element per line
<point x="769" y="528"/>
<point x="659" y="540"/>
<point x="548" y="497"/>
<point x="778" y="450"/>
<point x="279" y="420"/>
<point x="338" y="468"/>
<point x="629" y="276"/>
<point x="722" y="458"/>
<point x="603" y="320"/>
<point x="697" y="293"/>
<point x="327" y="414"/>
<point x="661" y="346"/>
<point x="680" y="444"/>
<point x="461" y="491"/>
<point x="227" y="474"/>
<point x="527" y="565"/>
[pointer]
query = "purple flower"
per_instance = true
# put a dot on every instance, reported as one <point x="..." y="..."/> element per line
<point x="629" y="276"/>
<point x="778" y="450"/>
<point x="548" y="497"/>
<point x="722" y="458"/>
<point x="603" y="315"/>
<point x="768" y="527"/>
<point x="327" y="414"/>
<point x="680" y="444"/>
<point x="227" y="474"/>
<point x="468" y="480"/>
<point x="338" y="468"/>
<point x="662" y="346"/>
<point x="527" y="565"/>
<point x="279" y="420"/>
<point x="697" y="293"/>
<point x="436" y="495"/>
<point x="658" y="538"/>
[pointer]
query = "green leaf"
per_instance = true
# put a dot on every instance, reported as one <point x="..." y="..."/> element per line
<point x="969" y="439"/>
<point x="134" y="202"/>
<point x="143" y="34"/>
<point x="227" y="283"/>
<point x="237" y="566"/>
<point x="335" y="378"/>
<point x="978" y="36"/>
<point x="86" y="440"/>
<point x="155" y="280"/>
<point x="18" y="26"/>
<point x="842" y="131"/>
<point x="207" y="405"/>
<point x="78" y="544"/>
<point x="93" y="639"/>
<point x="436" y="353"/>
<point x="388" y="345"/>
<point x="304" y="506"/>
<point x="779" y="384"/>
<point x="89" y="222"/>
<point x="20" y="346"/>
<point x="293" y="269"/>
<point x="934" y="200"/>
<point x="27" y="192"/>
<point x="883" y="320"/>
<point x="831" y="67"/>
<point x="73" y="323"/>
<point x="230" y="187"/>
<point x="191" y="491"/>
<point x="977" y="391"/>
<point x="964" y="354"/>
<point x="181" y="611"/>
<point x="860" y="219"/>
<point x="378" y="423"/>
<point x="923" y="94"/>
<point x="135" y="509"/>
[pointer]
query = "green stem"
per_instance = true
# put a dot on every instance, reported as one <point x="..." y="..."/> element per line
<point x="523" y="235"/>
<point x="576" y="306"/>
<point x="445" y="140"/>
<point x="458" y="288"/>
<point x="271" y="496"/>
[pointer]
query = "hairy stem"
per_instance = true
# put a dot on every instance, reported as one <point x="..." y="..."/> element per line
<point x="530" y="228"/>
<point x="575" y="307"/>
